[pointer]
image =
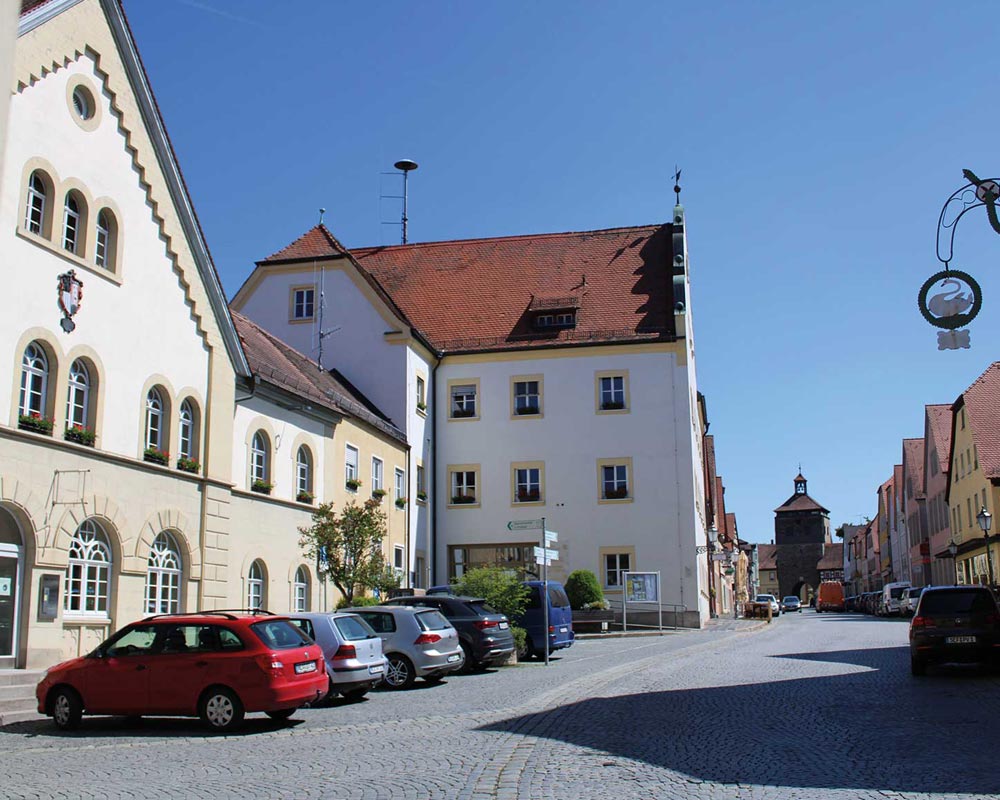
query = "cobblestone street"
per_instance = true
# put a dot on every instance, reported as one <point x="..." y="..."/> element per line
<point x="711" y="714"/>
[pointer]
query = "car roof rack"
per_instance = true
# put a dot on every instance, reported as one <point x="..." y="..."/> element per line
<point x="228" y="613"/>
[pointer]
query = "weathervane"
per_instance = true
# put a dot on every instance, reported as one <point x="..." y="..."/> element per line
<point x="959" y="297"/>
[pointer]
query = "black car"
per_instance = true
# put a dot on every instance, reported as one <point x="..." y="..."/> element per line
<point x="484" y="633"/>
<point x="954" y="624"/>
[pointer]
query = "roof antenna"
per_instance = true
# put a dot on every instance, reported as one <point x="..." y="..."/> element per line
<point x="322" y="211"/>
<point x="405" y="167"/>
<point x="322" y="334"/>
<point x="677" y="184"/>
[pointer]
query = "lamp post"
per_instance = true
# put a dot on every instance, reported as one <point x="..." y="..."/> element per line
<point x="985" y="519"/>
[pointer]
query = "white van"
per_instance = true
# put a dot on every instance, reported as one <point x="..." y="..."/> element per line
<point x="892" y="595"/>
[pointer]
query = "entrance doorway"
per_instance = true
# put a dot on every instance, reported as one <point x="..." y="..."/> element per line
<point x="11" y="578"/>
<point x="804" y="592"/>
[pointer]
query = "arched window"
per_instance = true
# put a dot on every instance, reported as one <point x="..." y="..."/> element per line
<point x="186" y="431"/>
<point x="34" y="381"/>
<point x="34" y="213"/>
<point x="303" y="474"/>
<point x="260" y="457"/>
<point x="256" y="594"/>
<point x="71" y="223"/>
<point x="106" y="247"/>
<point x="78" y="396"/>
<point x="163" y="576"/>
<point x="154" y="420"/>
<point x="301" y="587"/>
<point x="88" y="577"/>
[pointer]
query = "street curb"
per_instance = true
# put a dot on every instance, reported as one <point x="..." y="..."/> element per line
<point x="624" y="634"/>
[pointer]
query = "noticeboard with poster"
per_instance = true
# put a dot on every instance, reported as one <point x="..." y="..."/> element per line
<point x="642" y="587"/>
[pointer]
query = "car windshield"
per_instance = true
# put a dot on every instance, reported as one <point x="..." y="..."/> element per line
<point x="353" y="628"/>
<point x="764" y="598"/>
<point x="280" y="634"/>
<point x="957" y="601"/>
<point x="791" y="599"/>
<point x="432" y="621"/>
<point x="481" y="607"/>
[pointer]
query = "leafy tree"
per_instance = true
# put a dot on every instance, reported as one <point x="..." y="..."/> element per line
<point x="499" y="587"/>
<point x="351" y="545"/>
<point x="582" y="589"/>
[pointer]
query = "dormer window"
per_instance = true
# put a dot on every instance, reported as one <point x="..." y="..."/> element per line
<point x="563" y="320"/>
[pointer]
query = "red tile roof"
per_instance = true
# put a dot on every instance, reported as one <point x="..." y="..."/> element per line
<point x="939" y="421"/>
<point x="477" y="294"/>
<point x="767" y="556"/>
<point x="982" y="407"/>
<point x="274" y="362"/>
<point x="800" y="502"/>
<point x="833" y="557"/>
<point x="913" y="466"/>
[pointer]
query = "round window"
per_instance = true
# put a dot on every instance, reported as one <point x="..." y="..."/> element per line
<point x="83" y="103"/>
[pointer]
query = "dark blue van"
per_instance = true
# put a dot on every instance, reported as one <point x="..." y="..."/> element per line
<point x="560" y="619"/>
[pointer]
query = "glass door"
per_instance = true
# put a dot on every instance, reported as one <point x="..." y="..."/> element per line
<point x="9" y="569"/>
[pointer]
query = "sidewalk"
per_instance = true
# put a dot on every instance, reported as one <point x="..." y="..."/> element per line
<point x="730" y="624"/>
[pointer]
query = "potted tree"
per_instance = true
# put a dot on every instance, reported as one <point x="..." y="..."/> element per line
<point x="590" y="609"/>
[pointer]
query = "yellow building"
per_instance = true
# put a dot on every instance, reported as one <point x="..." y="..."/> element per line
<point x="974" y="477"/>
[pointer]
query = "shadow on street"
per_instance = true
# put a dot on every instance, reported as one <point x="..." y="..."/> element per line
<point x="876" y="729"/>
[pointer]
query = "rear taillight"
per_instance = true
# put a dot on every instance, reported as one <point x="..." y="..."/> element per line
<point x="271" y="665"/>
<point x="346" y="651"/>
<point x="552" y="628"/>
<point x="922" y="622"/>
<point x="483" y="624"/>
<point x="427" y="638"/>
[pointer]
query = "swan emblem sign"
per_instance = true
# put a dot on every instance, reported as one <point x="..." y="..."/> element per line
<point x="70" y="298"/>
<point x="950" y="299"/>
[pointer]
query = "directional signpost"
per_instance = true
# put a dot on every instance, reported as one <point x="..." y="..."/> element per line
<point x="544" y="556"/>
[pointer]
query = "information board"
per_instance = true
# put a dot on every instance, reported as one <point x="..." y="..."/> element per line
<point x="642" y="587"/>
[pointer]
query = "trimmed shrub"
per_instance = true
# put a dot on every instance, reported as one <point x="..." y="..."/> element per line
<point x="357" y="602"/>
<point x="582" y="588"/>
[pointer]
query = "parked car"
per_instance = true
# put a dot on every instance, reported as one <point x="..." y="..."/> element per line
<point x="870" y="603"/>
<point x="892" y="594"/>
<point x="830" y="596"/>
<point x="772" y="600"/>
<point x="417" y="642"/>
<point x="954" y="624"/>
<point x="908" y="603"/>
<point x="560" y="632"/>
<point x="218" y="665"/>
<point x="351" y="649"/>
<point x="791" y="603"/>
<point x="484" y="634"/>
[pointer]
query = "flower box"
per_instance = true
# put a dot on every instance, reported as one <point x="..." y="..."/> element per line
<point x="353" y="484"/>
<point x="421" y="406"/>
<point x="400" y="502"/>
<point x="261" y="487"/>
<point x="612" y="405"/>
<point x="528" y="496"/>
<point x="463" y="499"/>
<point x="188" y="464"/>
<point x="463" y="413"/>
<point x="35" y="422"/>
<point x="378" y="494"/>
<point x="527" y="411"/>
<point x="422" y="496"/>
<point x="80" y="435"/>
<point x="156" y="456"/>
<point x="616" y="494"/>
<point x="304" y="497"/>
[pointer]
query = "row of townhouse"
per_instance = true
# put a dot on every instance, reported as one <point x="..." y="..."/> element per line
<point x="927" y="528"/>
<point x="157" y="453"/>
<point x="160" y="447"/>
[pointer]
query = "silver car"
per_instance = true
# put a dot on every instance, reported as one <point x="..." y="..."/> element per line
<point x="771" y="600"/>
<point x="417" y="642"/>
<point x="353" y="651"/>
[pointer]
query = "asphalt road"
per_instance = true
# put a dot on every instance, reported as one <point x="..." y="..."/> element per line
<point x="811" y="706"/>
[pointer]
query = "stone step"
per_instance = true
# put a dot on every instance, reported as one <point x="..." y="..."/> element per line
<point x="20" y="677"/>
<point x="16" y="698"/>
<point x="13" y="717"/>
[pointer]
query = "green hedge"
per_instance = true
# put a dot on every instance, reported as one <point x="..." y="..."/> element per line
<point x="582" y="588"/>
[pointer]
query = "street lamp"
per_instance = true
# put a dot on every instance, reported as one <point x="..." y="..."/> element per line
<point x="985" y="519"/>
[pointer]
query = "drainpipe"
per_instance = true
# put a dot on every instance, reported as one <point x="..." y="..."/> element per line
<point x="409" y="503"/>
<point x="432" y="494"/>
<point x="205" y="460"/>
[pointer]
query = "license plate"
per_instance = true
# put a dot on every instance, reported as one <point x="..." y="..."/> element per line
<point x="504" y="626"/>
<point x="960" y="640"/>
<point x="454" y="658"/>
<point x="564" y="630"/>
<point x="305" y="666"/>
<point x="376" y="670"/>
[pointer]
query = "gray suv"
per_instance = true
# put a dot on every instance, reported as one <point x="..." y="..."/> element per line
<point x="352" y="650"/>
<point x="484" y="633"/>
<point x="418" y="643"/>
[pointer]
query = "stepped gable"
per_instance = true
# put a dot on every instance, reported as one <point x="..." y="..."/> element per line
<point x="274" y="362"/>
<point x="982" y="405"/>
<point x="483" y="294"/>
<point x="940" y="422"/>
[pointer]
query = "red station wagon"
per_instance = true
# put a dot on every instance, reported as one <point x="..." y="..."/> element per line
<point x="218" y="665"/>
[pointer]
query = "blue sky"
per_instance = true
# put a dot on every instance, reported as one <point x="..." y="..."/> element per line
<point x="818" y="142"/>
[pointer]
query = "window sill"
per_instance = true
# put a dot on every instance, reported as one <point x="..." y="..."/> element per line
<point x="519" y="503"/>
<point x="300" y="320"/>
<point x="421" y="412"/>
<point x="464" y="419"/>
<point x="82" y="619"/>
<point x="609" y="411"/>
<point x="539" y="415"/>
<point x="614" y="501"/>
<point x="463" y="505"/>
<point x="72" y="258"/>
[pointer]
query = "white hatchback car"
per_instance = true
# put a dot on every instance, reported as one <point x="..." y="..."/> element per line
<point x="770" y="598"/>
